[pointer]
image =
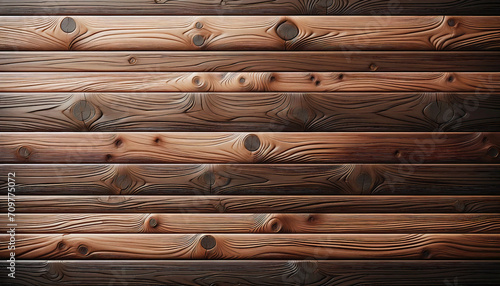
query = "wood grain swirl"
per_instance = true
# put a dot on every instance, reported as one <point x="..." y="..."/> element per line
<point x="346" y="33"/>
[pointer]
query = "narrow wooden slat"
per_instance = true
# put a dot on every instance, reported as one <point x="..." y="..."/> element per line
<point x="217" y="7"/>
<point x="217" y="147"/>
<point x="346" y="33"/>
<point x="264" y="112"/>
<point x="253" y="246"/>
<point x="246" y="81"/>
<point x="254" y="204"/>
<point x="250" y="61"/>
<point x="249" y="179"/>
<point x="253" y="223"/>
<point x="255" y="272"/>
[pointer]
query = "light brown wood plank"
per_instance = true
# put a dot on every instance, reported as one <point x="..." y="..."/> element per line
<point x="346" y="33"/>
<point x="248" y="81"/>
<point x="254" y="204"/>
<point x="250" y="61"/>
<point x="217" y="147"/>
<point x="253" y="223"/>
<point x="254" y="246"/>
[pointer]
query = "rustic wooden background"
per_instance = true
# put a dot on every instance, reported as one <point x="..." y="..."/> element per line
<point x="224" y="142"/>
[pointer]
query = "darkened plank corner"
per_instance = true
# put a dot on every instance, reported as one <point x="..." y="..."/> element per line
<point x="221" y="142"/>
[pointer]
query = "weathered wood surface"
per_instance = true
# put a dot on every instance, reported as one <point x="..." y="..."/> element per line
<point x="253" y="246"/>
<point x="249" y="179"/>
<point x="253" y="223"/>
<point x="250" y="61"/>
<point x="249" y="81"/>
<point x="249" y="7"/>
<point x="254" y="204"/>
<point x="345" y="33"/>
<point x="247" y="112"/>
<point x="255" y="272"/>
<point x="218" y="147"/>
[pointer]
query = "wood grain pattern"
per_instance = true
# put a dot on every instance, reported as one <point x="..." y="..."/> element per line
<point x="253" y="223"/>
<point x="250" y="61"/>
<point x="254" y="246"/>
<point x="217" y="147"/>
<point x="255" y="272"/>
<point x="248" y="81"/>
<point x="248" y="7"/>
<point x="346" y="33"/>
<point x="245" y="112"/>
<point x="254" y="204"/>
<point x="249" y="179"/>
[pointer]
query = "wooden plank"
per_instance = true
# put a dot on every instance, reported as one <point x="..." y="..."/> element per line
<point x="333" y="33"/>
<point x="216" y="7"/>
<point x="249" y="179"/>
<point x="253" y="246"/>
<point x="255" y="272"/>
<point x="253" y="223"/>
<point x="217" y="147"/>
<point x="248" y="81"/>
<point x="254" y="204"/>
<point x="250" y="61"/>
<point x="245" y="112"/>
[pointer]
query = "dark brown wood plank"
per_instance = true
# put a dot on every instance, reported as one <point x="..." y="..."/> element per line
<point x="217" y="147"/>
<point x="250" y="61"/>
<point x="254" y="204"/>
<point x="332" y="33"/>
<point x="249" y="179"/>
<point x="265" y="273"/>
<point x="253" y="223"/>
<point x="245" y="112"/>
<point x="253" y="246"/>
<point x="248" y="7"/>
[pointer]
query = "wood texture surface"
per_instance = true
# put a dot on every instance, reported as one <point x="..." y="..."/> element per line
<point x="216" y="7"/>
<point x="247" y="112"/>
<point x="346" y="33"/>
<point x="251" y="61"/>
<point x="255" y="204"/>
<point x="249" y="81"/>
<point x="251" y="272"/>
<point x="254" y="246"/>
<point x="254" y="223"/>
<point x="249" y="179"/>
<point x="217" y="147"/>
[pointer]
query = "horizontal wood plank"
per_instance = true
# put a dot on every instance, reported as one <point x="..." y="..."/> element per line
<point x="255" y="272"/>
<point x="248" y="7"/>
<point x="253" y="246"/>
<point x="247" y="112"/>
<point x="254" y="204"/>
<point x="253" y="223"/>
<point x="249" y="82"/>
<point x="217" y="147"/>
<point x="250" y="61"/>
<point x="346" y="33"/>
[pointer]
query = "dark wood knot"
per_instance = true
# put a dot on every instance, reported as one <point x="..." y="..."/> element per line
<point x="275" y="225"/>
<point x="287" y="30"/>
<point x="198" y="25"/>
<point x="68" y="25"/>
<point x="373" y="67"/>
<point x="493" y="152"/>
<point x="208" y="242"/>
<point x="153" y="222"/>
<point x="364" y="182"/>
<point x="83" y="110"/>
<point x="198" y="40"/>
<point x="123" y="182"/>
<point x="83" y="249"/>
<point x="451" y="22"/>
<point x="132" y="60"/>
<point x="24" y="152"/>
<point x="209" y="177"/>
<point x="252" y="142"/>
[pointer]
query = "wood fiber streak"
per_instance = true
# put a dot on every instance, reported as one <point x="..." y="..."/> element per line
<point x="254" y="246"/>
<point x="269" y="179"/>
<point x="249" y="82"/>
<point x="250" y="272"/>
<point x="254" y="204"/>
<point x="245" y="112"/>
<point x="249" y="7"/>
<point x="217" y="147"/>
<point x="346" y="33"/>
<point x="250" y="61"/>
<point x="254" y="223"/>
